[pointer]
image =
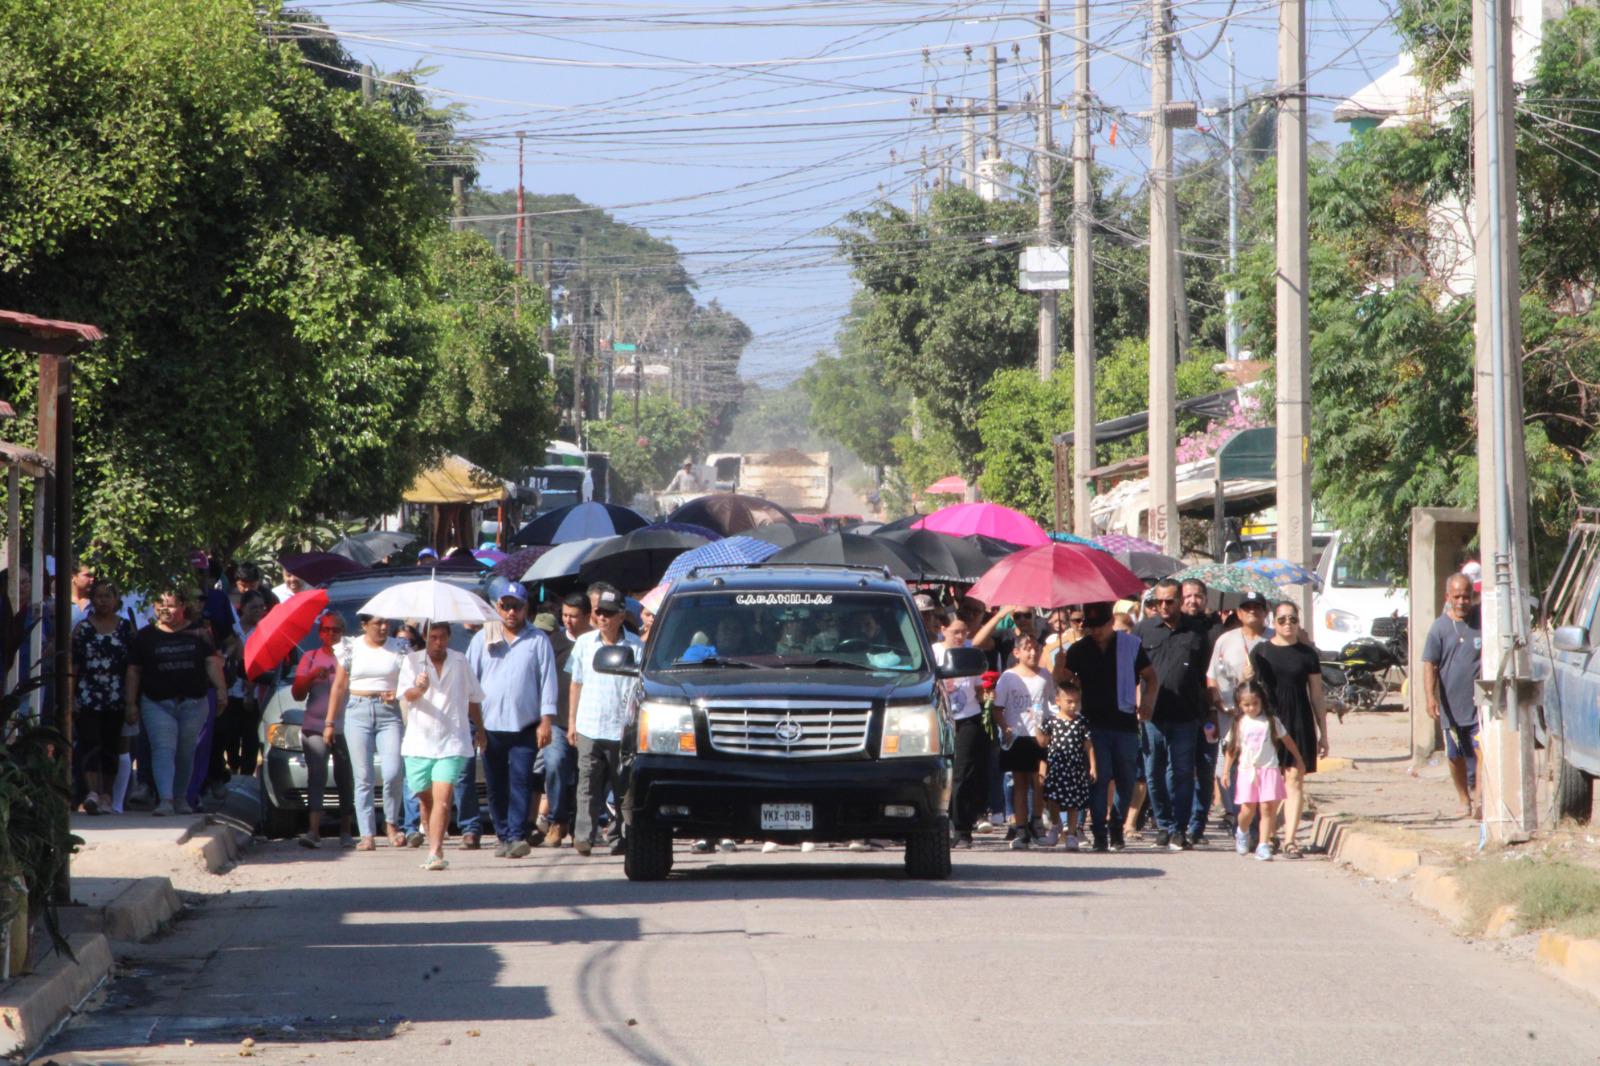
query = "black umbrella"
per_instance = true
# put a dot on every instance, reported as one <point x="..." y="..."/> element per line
<point x="579" y="521"/>
<point x="373" y="546"/>
<point x="900" y="523"/>
<point x="635" y="561"/>
<point x="783" y="534"/>
<point x="1149" y="566"/>
<point x="992" y="547"/>
<point x="944" y="558"/>
<point x="729" y="513"/>
<point x="318" y="568"/>
<point x="852" y="549"/>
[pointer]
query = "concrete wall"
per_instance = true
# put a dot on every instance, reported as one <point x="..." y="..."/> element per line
<point x="1439" y="539"/>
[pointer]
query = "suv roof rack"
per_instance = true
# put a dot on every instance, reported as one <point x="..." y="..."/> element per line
<point x="882" y="571"/>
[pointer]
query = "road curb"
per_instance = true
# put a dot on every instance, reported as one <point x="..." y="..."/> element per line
<point x="1575" y="961"/>
<point x="1330" y="763"/>
<point x="33" y="1007"/>
<point x="141" y="909"/>
<point x="215" y="846"/>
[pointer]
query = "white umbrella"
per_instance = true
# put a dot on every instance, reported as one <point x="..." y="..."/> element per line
<point x="436" y="601"/>
<point x="563" y="560"/>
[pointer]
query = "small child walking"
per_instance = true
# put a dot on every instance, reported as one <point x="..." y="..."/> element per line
<point x="1070" y="768"/>
<point x="1252" y="747"/>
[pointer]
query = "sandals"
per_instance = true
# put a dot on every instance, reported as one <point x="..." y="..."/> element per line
<point x="1292" y="850"/>
<point x="436" y="862"/>
<point x="397" y="840"/>
<point x="367" y="844"/>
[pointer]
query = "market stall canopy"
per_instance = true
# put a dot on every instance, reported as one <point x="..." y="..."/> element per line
<point x="1121" y="509"/>
<point x="456" y="480"/>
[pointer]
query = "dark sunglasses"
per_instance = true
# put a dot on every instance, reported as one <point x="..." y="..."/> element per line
<point x="332" y="629"/>
<point x="1076" y="620"/>
<point x="603" y="613"/>
<point x="1159" y="601"/>
<point x="1288" y="620"/>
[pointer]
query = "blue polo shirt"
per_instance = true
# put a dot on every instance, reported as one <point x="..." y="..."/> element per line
<point x="518" y="677"/>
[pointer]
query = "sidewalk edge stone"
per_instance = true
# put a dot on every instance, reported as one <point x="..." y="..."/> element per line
<point x="1577" y="962"/>
<point x="141" y="909"/>
<point x="34" y="1006"/>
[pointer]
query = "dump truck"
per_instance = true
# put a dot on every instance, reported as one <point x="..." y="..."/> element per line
<point x="801" y="482"/>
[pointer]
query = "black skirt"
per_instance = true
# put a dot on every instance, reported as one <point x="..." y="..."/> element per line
<point x="1023" y="757"/>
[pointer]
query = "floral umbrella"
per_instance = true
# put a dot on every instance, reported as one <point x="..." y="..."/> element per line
<point x="1281" y="571"/>
<point x="1122" y="542"/>
<point x="1220" y="577"/>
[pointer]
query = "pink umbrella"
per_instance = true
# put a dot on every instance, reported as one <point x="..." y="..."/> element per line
<point x="947" y="486"/>
<point x="1054" y="575"/>
<point x="989" y="519"/>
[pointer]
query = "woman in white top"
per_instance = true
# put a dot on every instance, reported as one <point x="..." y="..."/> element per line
<point x="364" y="702"/>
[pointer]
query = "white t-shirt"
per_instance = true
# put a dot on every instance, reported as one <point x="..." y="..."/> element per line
<point x="373" y="669"/>
<point x="1230" y="662"/>
<point x="1256" y="750"/>
<point x="962" y="692"/>
<point x="1024" y="702"/>
<point x="438" y="725"/>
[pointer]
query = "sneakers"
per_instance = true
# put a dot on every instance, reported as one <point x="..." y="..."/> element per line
<point x="1241" y="842"/>
<point x="414" y="839"/>
<point x="1164" y="840"/>
<point x="769" y="847"/>
<point x="1178" y="842"/>
<point x="1021" y="842"/>
<point x="1073" y="843"/>
<point x="1053" y="836"/>
<point x="582" y="847"/>
<point x="1117" y="841"/>
<point x="726" y="845"/>
<point x="1037" y="828"/>
<point x="962" y="841"/>
<point x="502" y="850"/>
<point x="521" y="849"/>
<point x="163" y="809"/>
<point x="471" y="841"/>
<point x="1197" y="839"/>
<point x="181" y="806"/>
<point x="983" y="826"/>
<point x="1264" y="853"/>
<point x="702" y="847"/>
<point x="1100" y="845"/>
<point x="308" y="841"/>
<point x="1011" y="833"/>
<point x="808" y="846"/>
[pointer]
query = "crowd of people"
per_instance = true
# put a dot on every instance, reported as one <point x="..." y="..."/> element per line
<point x="1096" y="708"/>
<point x="1092" y="719"/>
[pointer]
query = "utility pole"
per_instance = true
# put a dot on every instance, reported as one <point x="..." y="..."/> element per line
<point x="969" y="146"/>
<point x="516" y="308"/>
<point x="549" y="302"/>
<point x="1231" y="297"/>
<point x="1293" y="460"/>
<point x="1048" y="303"/>
<point x="1163" y="481"/>
<point x="616" y="337"/>
<point x="458" y="203"/>
<point x="368" y="88"/>
<point x="1083" y="445"/>
<point x="1507" y="772"/>
<point x="577" y="299"/>
<point x="638" y="386"/>
<point x="994" y="102"/>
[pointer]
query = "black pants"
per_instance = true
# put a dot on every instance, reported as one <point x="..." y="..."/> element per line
<point x="238" y="737"/>
<point x="969" y="798"/>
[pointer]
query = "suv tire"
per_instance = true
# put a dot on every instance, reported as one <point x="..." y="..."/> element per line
<point x="276" y="823"/>
<point x="1571" y="792"/>
<point x="646" y="852"/>
<point x="928" y="854"/>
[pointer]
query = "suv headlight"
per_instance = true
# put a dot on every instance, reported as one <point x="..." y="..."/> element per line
<point x="1341" y="622"/>
<point x="284" y="735"/>
<point x="910" y="730"/>
<point x="666" y="729"/>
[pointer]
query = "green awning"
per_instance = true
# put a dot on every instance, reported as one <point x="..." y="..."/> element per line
<point x="1249" y="455"/>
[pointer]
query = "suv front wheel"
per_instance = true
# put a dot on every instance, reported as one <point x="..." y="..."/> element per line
<point x="646" y="852"/>
<point x="928" y="854"/>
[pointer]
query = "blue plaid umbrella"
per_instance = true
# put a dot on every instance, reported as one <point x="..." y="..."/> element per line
<point x="1073" y="538"/>
<point x="1281" y="571"/>
<point x="733" y="551"/>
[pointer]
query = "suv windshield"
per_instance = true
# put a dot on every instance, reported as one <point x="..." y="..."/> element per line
<point x="1353" y="572"/>
<point x="870" y="631"/>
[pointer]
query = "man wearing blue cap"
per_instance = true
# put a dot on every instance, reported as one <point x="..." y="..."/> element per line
<point x="515" y="665"/>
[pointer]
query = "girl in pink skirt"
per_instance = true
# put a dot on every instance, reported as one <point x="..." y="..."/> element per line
<point x="1258" y="745"/>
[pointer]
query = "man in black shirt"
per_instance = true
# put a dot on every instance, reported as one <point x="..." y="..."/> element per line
<point x="1177" y="646"/>
<point x="1119" y="690"/>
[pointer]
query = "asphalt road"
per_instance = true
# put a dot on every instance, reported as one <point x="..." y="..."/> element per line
<point x="833" y="957"/>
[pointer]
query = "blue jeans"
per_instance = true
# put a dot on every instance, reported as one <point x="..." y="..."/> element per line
<point x="561" y="777"/>
<point x="508" y="771"/>
<point x="1205" y="776"/>
<point x="1116" y="756"/>
<point x="174" y="729"/>
<point x="373" y="726"/>
<point x="1169" y="772"/>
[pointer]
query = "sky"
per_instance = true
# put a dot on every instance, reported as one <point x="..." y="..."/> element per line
<point x="741" y="130"/>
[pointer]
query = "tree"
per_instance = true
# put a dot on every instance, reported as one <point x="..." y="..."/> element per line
<point x="852" y="399"/>
<point x="643" y="456"/>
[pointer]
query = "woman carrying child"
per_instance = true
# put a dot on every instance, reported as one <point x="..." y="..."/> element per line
<point x="1252" y="748"/>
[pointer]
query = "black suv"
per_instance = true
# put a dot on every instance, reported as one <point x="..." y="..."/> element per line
<point x="788" y="704"/>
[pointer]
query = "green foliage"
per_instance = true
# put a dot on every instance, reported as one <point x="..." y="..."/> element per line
<point x="851" y="397"/>
<point x="1021" y="416"/>
<point x="920" y="462"/>
<point x="643" y="457"/>
<point x="1439" y="36"/>
<point x="261" y="248"/>
<point x="36" y="839"/>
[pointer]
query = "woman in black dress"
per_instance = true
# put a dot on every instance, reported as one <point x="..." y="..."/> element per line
<point x="1289" y="669"/>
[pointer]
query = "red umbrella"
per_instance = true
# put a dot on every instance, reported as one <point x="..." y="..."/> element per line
<point x="1053" y="575"/>
<point x="284" y="626"/>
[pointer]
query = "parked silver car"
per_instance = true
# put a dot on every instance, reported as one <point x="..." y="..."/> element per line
<point x="282" y="776"/>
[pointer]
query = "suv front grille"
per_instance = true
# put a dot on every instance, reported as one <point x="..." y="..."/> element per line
<point x="788" y="729"/>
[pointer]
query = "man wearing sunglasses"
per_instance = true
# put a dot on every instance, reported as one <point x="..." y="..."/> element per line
<point x="1178" y="648"/>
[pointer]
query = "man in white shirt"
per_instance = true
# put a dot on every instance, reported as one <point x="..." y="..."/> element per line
<point x="444" y="724"/>
<point x="599" y="705"/>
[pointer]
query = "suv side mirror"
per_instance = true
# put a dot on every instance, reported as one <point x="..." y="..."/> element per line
<point x="1570" y="638"/>
<point x="964" y="662"/>
<point x="616" y="659"/>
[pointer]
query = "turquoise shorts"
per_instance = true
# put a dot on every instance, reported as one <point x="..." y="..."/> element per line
<point x="422" y="772"/>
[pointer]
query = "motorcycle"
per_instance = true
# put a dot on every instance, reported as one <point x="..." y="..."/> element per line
<point x="1358" y="679"/>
